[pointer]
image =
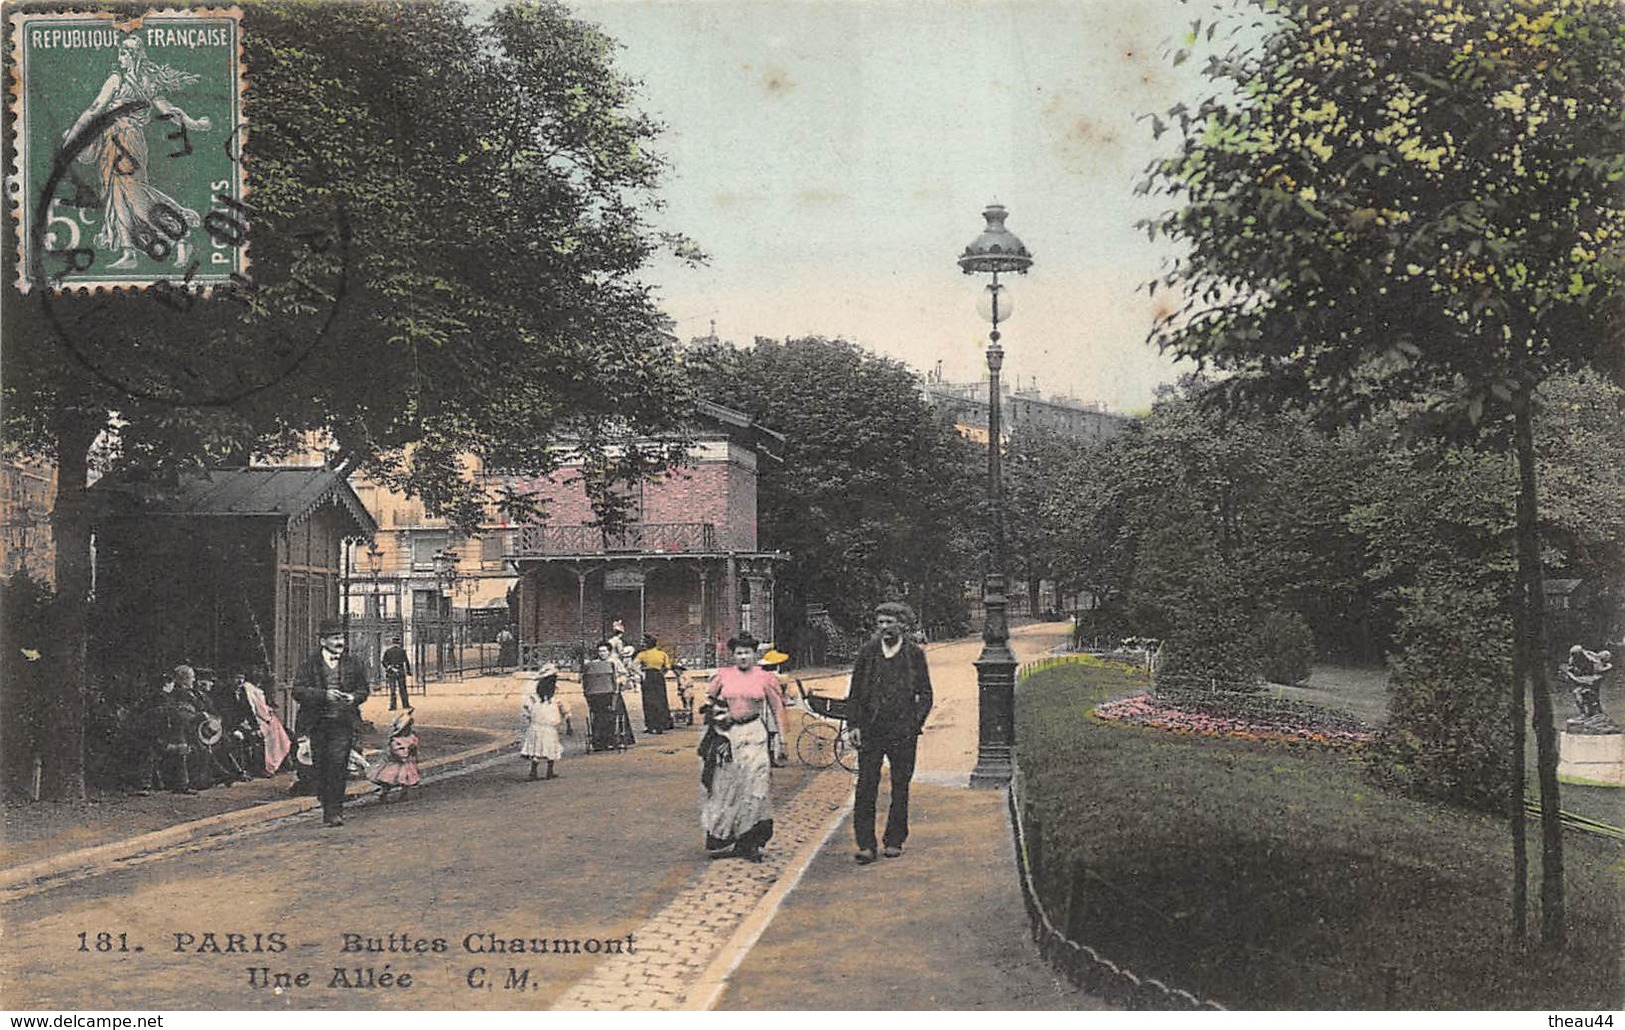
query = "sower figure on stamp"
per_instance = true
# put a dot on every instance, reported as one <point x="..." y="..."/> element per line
<point x="396" y="668"/>
<point x="330" y="686"/>
<point x="886" y="709"/>
<point x="136" y="215"/>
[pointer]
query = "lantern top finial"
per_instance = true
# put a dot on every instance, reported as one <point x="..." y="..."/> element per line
<point x="997" y="249"/>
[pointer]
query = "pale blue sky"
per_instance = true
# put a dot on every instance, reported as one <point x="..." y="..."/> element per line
<point x="833" y="159"/>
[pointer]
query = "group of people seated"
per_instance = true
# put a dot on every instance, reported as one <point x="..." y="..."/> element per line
<point x="199" y="731"/>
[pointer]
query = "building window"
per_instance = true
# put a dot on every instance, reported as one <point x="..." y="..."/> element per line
<point x="424" y="545"/>
<point x="427" y="604"/>
<point x="493" y="545"/>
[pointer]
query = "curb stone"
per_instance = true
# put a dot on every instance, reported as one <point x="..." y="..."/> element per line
<point x="104" y="857"/>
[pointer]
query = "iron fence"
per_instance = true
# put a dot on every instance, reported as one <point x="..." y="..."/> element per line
<point x="568" y="655"/>
<point x="651" y="538"/>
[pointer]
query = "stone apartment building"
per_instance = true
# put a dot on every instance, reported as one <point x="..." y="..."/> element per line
<point x="423" y="582"/>
<point x="27" y="494"/>
<point x="1021" y="409"/>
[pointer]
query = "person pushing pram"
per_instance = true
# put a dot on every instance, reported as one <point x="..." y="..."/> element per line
<point x="608" y="727"/>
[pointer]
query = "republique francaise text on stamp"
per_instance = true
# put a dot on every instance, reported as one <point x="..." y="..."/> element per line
<point x="129" y="143"/>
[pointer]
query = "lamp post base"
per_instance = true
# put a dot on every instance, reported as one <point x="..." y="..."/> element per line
<point x="996" y="703"/>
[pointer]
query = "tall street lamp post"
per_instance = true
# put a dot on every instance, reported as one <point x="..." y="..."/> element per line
<point x="996" y="250"/>
<point x="375" y="565"/>
<point x="445" y="572"/>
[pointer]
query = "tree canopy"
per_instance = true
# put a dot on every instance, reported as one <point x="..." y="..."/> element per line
<point x="447" y="223"/>
<point x="447" y="220"/>
<point x="1412" y="202"/>
<point x="1401" y="199"/>
<point x="877" y="496"/>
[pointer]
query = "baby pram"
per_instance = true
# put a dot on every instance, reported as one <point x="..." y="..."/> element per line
<point x="617" y="734"/>
<point x="825" y="738"/>
<point x="683" y="714"/>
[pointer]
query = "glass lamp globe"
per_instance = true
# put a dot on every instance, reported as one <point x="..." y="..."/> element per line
<point x="995" y="303"/>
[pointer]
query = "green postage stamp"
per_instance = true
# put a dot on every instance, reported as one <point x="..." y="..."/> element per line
<point x="129" y="149"/>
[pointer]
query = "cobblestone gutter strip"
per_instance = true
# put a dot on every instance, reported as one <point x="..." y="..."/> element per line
<point x="688" y="949"/>
<point x="1082" y="965"/>
<point x="103" y="857"/>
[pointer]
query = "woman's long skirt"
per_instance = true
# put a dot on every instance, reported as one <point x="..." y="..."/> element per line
<point x="623" y="722"/>
<point x="656" y="706"/>
<point x="601" y="710"/>
<point x="737" y="811"/>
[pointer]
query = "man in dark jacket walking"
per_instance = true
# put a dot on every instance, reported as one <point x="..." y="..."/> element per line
<point x="886" y="709"/>
<point x="330" y="686"/>
<point x="397" y="666"/>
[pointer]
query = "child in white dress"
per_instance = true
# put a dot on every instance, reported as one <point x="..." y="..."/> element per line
<point x="543" y="715"/>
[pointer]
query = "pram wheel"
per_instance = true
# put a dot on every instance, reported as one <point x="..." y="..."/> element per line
<point x="816" y="745"/>
<point x="619" y="736"/>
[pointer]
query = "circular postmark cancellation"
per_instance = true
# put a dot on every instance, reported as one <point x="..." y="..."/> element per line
<point x="130" y="177"/>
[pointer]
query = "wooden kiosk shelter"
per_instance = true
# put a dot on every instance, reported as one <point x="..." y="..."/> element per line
<point x="231" y="569"/>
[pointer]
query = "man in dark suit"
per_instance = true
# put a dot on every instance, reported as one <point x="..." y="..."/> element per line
<point x="330" y="686"/>
<point x="396" y="668"/>
<point x="886" y="709"/>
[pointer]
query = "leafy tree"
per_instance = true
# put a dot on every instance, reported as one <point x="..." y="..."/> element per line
<point x="1438" y="529"/>
<point x="1581" y="443"/>
<point x="1391" y="201"/>
<point x="448" y="219"/>
<point x="876" y="497"/>
<point x="1034" y="495"/>
<point x="1213" y="529"/>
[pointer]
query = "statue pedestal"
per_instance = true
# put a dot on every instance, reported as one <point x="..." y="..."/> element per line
<point x="1597" y="759"/>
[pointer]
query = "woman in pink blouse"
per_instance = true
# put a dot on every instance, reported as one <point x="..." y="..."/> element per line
<point x="736" y="811"/>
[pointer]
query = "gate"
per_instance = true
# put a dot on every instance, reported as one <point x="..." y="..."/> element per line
<point x="463" y="642"/>
<point x="370" y="636"/>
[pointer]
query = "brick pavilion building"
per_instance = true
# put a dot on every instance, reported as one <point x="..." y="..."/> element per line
<point x="688" y="568"/>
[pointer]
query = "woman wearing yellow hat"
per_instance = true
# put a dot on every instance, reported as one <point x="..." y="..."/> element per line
<point x="776" y="750"/>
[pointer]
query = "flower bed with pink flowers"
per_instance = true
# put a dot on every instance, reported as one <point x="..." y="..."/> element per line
<point x="1239" y="717"/>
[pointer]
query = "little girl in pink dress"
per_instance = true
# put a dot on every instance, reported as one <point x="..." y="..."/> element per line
<point x="400" y="768"/>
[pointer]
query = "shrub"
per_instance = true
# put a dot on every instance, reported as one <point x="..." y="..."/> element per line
<point x="1214" y="648"/>
<point x="1448" y="736"/>
<point x="27" y="665"/>
<point x="1286" y="647"/>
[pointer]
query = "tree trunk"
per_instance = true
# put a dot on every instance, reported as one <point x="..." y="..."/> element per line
<point x="62" y="774"/>
<point x="1517" y="820"/>
<point x="1532" y="632"/>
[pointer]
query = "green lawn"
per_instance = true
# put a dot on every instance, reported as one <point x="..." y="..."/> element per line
<point x="1268" y="877"/>
<point x="1362" y="691"/>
